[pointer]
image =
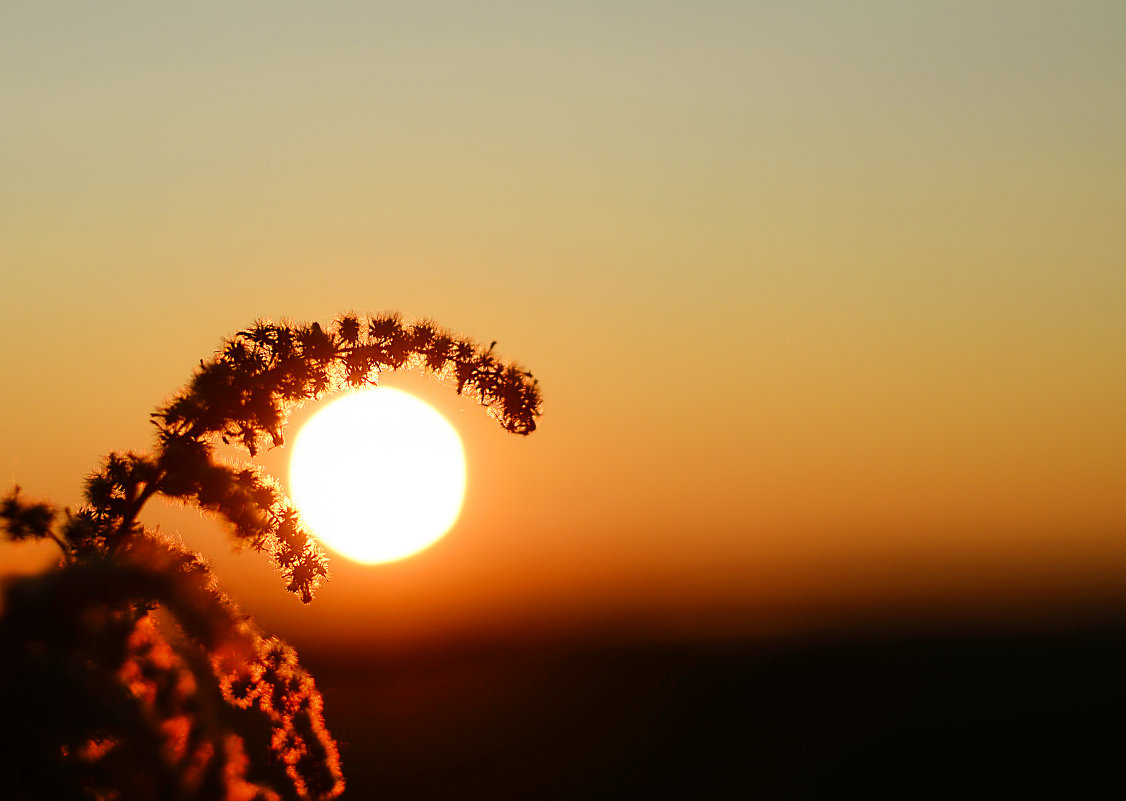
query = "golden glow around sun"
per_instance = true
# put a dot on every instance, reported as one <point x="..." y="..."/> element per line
<point x="378" y="475"/>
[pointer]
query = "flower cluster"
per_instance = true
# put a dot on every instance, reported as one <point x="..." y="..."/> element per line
<point x="135" y="676"/>
<point x="245" y="394"/>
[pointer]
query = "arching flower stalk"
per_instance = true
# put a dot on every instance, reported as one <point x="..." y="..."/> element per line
<point x="121" y="704"/>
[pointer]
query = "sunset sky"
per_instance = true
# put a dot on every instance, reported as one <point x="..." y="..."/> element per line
<point x="827" y="301"/>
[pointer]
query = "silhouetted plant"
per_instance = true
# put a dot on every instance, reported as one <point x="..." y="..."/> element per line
<point x="127" y="673"/>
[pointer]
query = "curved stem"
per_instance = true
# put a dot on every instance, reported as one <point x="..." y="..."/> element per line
<point x="62" y="545"/>
<point x="130" y="517"/>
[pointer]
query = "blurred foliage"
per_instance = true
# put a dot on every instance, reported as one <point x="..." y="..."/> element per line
<point x="126" y="673"/>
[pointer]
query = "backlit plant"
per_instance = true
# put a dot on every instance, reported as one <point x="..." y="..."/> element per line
<point x="127" y="673"/>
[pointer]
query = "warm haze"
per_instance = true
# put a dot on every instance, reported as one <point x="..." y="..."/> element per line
<point x="828" y="303"/>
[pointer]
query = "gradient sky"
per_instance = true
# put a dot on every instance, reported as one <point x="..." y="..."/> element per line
<point x="828" y="301"/>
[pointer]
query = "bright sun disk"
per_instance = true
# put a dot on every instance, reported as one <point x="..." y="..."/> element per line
<point x="378" y="475"/>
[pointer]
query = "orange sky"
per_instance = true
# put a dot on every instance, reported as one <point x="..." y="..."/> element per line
<point x="828" y="305"/>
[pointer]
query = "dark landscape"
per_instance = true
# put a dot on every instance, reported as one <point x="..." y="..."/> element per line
<point x="892" y="713"/>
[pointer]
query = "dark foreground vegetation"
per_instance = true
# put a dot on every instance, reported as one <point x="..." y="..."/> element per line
<point x="126" y="673"/>
<point x="902" y="713"/>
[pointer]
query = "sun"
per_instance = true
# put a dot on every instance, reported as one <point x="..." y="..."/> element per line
<point x="378" y="475"/>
